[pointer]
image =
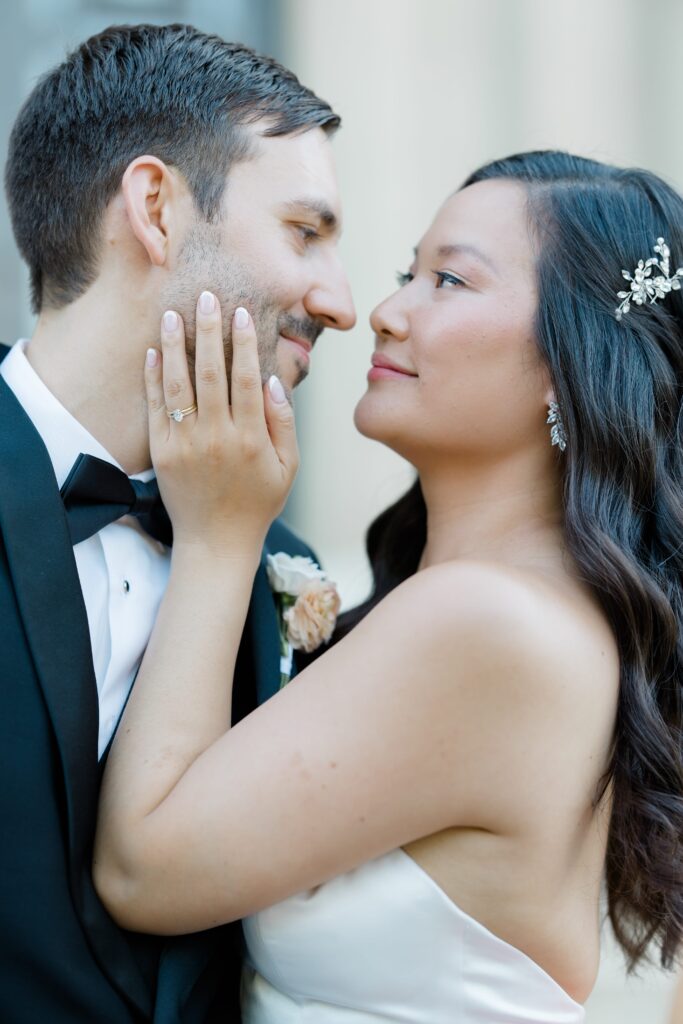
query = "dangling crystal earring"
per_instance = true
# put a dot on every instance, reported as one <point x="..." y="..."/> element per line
<point x="558" y="435"/>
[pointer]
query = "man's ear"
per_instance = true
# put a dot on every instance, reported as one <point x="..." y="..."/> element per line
<point x="148" y="192"/>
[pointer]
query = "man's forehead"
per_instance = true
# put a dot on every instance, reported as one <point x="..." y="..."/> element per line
<point x="301" y="161"/>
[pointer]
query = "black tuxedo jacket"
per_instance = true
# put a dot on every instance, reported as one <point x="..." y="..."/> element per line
<point x="62" y="958"/>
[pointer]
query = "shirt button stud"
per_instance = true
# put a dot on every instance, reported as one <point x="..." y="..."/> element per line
<point x="126" y="587"/>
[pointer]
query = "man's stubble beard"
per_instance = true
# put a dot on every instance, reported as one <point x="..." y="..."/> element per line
<point x="203" y="266"/>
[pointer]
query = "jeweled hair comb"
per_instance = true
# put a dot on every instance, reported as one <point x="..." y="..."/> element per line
<point x="646" y="288"/>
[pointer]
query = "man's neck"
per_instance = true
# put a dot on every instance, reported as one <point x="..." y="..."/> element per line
<point x="92" y="369"/>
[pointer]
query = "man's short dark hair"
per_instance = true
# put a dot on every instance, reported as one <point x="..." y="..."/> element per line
<point x="169" y="91"/>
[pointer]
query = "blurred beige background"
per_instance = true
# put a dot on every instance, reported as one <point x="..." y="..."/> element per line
<point x="428" y="89"/>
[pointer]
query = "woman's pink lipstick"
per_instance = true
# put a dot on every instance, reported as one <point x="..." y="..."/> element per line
<point x="383" y="369"/>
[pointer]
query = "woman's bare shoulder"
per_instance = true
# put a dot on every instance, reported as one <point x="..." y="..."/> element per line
<point x="483" y="618"/>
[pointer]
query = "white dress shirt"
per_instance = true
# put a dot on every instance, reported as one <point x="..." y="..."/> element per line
<point x="123" y="571"/>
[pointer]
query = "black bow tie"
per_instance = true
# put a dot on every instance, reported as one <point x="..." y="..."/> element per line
<point x="95" y="493"/>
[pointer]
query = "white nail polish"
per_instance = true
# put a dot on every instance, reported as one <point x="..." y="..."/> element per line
<point x="277" y="390"/>
<point x="170" y="321"/>
<point x="241" y="318"/>
<point x="207" y="303"/>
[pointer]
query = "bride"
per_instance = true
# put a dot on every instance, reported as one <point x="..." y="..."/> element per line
<point x="417" y="828"/>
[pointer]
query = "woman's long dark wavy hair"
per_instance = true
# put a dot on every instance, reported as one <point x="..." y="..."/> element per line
<point x="619" y="386"/>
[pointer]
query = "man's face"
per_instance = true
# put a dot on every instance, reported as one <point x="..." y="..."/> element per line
<point x="273" y="250"/>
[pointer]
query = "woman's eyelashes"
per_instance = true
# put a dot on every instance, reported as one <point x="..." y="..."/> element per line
<point x="443" y="278"/>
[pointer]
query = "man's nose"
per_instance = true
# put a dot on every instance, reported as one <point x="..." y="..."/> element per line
<point x="332" y="304"/>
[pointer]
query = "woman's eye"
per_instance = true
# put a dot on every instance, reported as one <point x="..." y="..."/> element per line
<point x="403" y="278"/>
<point x="443" y="279"/>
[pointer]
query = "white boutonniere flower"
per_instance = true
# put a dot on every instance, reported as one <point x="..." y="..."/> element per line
<point x="308" y="605"/>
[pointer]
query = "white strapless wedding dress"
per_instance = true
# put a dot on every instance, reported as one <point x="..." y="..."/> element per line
<point x="385" y="943"/>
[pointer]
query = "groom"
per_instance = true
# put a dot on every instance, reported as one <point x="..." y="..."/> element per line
<point x="154" y="163"/>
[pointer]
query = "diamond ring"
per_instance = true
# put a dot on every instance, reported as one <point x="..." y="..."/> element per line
<point x="179" y="414"/>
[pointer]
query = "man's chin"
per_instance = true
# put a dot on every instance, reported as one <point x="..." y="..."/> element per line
<point x="292" y="370"/>
<point x="290" y="379"/>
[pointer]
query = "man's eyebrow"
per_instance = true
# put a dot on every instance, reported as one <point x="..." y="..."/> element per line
<point x="461" y="249"/>
<point x="318" y="207"/>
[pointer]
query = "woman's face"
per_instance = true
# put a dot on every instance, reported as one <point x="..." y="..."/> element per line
<point x="460" y="328"/>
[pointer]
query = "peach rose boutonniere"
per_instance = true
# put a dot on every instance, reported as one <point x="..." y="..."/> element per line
<point x="308" y="605"/>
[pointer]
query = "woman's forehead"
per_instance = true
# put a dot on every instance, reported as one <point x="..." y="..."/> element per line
<point x="489" y="221"/>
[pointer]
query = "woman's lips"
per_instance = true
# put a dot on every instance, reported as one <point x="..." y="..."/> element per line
<point x="383" y="369"/>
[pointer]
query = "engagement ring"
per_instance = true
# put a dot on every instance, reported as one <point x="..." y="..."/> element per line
<point x="179" y="414"/>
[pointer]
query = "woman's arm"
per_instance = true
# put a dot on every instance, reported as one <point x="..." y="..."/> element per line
<point x="446" y="706"/>
<point x="224" y="474"/>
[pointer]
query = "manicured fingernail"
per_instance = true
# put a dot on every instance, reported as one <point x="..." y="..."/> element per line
<point x="207" y="302"/>
<point x="170" y="320"/>
<point x="153" y="355"/>
<point x="241" y="318"/>
<point x="277" y="390"/>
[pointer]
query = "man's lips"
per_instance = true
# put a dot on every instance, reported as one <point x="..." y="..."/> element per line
<point x="382" y="367"/>
<point x="302" y="344"/>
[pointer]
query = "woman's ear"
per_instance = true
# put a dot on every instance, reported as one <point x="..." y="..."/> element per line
<point x="148" y="188"/>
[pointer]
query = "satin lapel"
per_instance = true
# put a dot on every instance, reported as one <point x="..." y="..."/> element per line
<point x="46" y="583"/>
<point x="263" y="627"/>
<point x="45" y="579"/>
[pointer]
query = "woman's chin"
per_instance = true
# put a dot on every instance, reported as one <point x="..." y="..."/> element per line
<point x="373" y="422"/>
<point x="364" y="420"/>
